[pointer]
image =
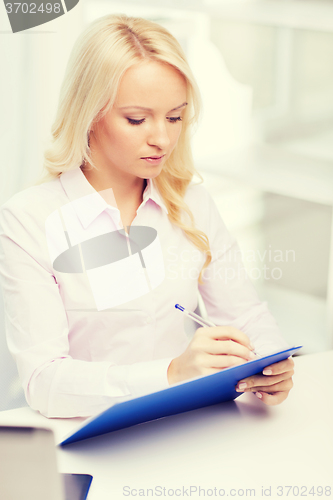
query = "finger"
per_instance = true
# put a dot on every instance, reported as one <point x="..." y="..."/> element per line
<point x="229" y="347"/>
<point x="209" y="370"/>
<point x="285" y="385"/>
<point x="282" y="366"/>
<point x="228" y="332"/>
<point x="220" y="362"/>
<point x="262" y="380"/>
<point x="205" y="370"/>
<point x="272" y="399"/>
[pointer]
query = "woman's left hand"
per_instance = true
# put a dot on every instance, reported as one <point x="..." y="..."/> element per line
<point x="272" y="386"/>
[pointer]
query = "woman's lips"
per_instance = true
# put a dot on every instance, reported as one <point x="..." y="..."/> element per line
<point x="154" y="160"/>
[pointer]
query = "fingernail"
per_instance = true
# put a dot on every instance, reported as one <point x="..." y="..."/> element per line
<point x="251" y="346"/>
<point x="243" y="386"/>
<point x="267" y="372"/>
<point x="259" y="395"/>
<point x="252" y="355"/>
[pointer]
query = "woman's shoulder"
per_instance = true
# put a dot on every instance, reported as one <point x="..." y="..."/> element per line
<point x="196" y="192"/>
<point x="35" y="200"/>
<point x="206" y="214"/>
<point x="201" y="204"/>
<point x="198" y="198"/>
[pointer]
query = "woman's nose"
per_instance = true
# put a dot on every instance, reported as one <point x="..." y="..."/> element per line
<point x="159" y="136"/>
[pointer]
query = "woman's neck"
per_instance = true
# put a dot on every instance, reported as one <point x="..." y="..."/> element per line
<point x="127" y="191"/>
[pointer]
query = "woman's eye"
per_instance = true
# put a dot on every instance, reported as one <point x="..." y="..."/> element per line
<point x="175" y="119"/>
<point x="135" y="122"/>
<point x="172" y="119"/>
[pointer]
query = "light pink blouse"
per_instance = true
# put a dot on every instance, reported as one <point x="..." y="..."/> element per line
<point x="76" y="353"/>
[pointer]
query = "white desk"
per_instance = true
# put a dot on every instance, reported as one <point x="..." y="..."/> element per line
<point x="241" y="444"/>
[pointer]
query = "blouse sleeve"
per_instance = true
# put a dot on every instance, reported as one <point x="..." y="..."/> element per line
<point x="228" y="294"/>
<point x="37" y="334"/>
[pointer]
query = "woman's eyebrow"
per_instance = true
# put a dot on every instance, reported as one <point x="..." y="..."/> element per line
<point x="149" y="109"/>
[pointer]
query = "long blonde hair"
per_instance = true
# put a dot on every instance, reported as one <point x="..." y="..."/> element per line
<point x="100" y="57"/>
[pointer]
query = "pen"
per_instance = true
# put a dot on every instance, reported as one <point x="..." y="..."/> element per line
<point x="198" y="319"/>
<point x="195" y="317"/>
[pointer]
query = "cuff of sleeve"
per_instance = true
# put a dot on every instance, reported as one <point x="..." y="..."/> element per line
<point x="149" y="376"/>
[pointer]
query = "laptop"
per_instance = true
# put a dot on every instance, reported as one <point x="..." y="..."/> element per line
<point x="28" y="467"/>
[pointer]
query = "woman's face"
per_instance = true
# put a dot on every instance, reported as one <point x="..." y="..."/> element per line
<point x="126" y="134"/>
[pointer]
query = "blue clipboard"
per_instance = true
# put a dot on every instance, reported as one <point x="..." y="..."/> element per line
<point x="191" y="395"/>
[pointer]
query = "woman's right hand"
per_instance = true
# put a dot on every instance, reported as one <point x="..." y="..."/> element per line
<point x="211" y="350"/>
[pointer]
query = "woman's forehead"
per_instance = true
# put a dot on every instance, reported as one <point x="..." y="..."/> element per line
<point x="151" y="84"/>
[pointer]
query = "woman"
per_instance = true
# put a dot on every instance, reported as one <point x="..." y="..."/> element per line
<point x="88" y="323"/>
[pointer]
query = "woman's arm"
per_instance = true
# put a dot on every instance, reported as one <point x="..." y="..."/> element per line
<point x="229" y="296"/>
<point x="38" y="333"/>
<point x="231" y="300"/>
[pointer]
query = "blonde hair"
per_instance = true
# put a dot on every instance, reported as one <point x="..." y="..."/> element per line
<point x="100" y="57"/>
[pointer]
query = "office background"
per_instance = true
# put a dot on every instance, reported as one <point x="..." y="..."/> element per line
<point x="264" y="145"/>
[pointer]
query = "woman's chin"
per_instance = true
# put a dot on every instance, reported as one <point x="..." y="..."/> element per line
<point x="151" y="173"/>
